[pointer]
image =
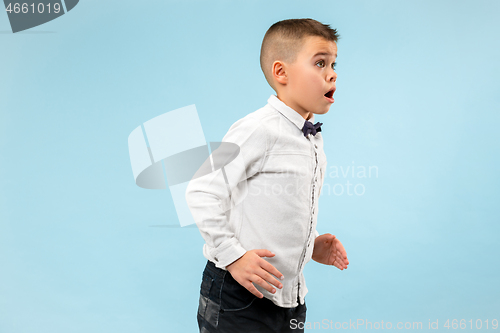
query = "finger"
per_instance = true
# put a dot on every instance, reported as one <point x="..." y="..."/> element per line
<point x="261" y="282"/>
<point x="264" y="253"/>
<point x="341" y="248"/>
<point x="344" y="253"/>
<point x="330" y="238"/>
<point x="270" y="279"/>
<point x="271" y="269"/>
<point x="336" y="264"/>
<point x="251" y="288"/>
<point x="345" y="260"/>
<point x="342" y="259"/>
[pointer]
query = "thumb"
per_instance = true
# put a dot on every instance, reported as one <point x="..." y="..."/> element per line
<point x="264" y="253"/>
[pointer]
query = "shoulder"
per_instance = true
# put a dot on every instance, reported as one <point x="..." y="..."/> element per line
<point x="258" y="122"/>
<point x="260" y="116"/>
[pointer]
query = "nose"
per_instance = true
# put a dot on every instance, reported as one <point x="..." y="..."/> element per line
<point x="332" y="76"/>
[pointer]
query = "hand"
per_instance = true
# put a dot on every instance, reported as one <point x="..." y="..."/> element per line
<point x="329" y="250"/>
<point x="252" y="268"/>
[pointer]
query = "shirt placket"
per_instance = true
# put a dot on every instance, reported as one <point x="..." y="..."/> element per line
<point x="312" y="209"/>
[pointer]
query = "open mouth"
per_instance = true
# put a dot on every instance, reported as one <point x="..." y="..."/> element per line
<point x="329" y="94"/>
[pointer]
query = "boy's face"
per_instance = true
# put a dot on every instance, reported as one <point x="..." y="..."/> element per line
<point x="311" y="77"/>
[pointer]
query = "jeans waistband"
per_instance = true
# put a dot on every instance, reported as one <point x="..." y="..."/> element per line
<point x="211" y="267"/>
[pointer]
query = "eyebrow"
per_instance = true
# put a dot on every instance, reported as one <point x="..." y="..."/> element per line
<point x="324" y="53"/>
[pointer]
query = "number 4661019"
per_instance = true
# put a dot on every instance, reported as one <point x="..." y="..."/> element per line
<point x="462" y="324"/>
<point x="25" y="8"/>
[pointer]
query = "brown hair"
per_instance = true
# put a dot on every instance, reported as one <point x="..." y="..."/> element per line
<point x="284" y="39"/>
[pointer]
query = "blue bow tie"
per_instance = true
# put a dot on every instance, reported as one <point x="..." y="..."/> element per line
<point x="309" y="128"/>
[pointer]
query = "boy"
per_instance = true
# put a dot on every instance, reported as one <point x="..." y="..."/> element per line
<point x="265" y="204"/>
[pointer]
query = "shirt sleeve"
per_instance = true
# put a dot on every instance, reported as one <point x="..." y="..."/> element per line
<point x="316" y="232"/>
<point x="211" y="197"/>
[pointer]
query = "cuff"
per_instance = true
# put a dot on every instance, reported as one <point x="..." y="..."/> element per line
<point x="227" y="252"/>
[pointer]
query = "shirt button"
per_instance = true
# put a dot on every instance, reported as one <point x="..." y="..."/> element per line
<point x="216" y="259"/>
<point x="315" y="146"/>
<point x="316" y="179"/>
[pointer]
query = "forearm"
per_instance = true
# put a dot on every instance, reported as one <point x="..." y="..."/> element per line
<point x="211" y="196"/>
<point x="209" y="200"/>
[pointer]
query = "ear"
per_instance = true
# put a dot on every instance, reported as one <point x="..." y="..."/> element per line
<point x="279" y="72"/>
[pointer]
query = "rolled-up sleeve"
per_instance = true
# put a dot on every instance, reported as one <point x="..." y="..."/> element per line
<point x="211" y="196"/>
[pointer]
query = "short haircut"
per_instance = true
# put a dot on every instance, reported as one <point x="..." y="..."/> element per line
<point x="284" y="39"/>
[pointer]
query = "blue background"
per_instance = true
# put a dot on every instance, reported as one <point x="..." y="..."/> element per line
<point x="82" y="248"/>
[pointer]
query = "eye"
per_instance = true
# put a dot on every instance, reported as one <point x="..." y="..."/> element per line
<point x="334" y="65"/>
<point x="322" y="62"/>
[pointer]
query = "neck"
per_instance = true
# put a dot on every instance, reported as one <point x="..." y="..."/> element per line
<point x="305" y="114"/>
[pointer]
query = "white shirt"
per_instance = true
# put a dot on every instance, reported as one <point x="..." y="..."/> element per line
<point x="267" y="198"/>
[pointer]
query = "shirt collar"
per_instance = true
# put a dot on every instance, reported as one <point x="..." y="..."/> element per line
<point x="288" y="112"/>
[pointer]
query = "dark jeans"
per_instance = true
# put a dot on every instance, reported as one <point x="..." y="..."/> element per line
<point x="227" y="307"/>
